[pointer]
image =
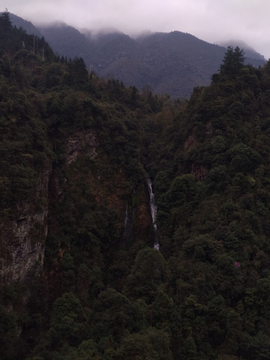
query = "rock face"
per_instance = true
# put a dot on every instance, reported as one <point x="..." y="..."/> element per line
<point x="77" y="142"/>
<point x="23" y="236"/>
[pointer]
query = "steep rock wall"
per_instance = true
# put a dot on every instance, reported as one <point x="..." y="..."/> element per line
<point x="23" y="235"/>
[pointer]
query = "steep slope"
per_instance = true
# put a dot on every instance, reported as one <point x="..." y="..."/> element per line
<point x="43" y="99"/>
<point x="70" y="166"/>
<point x="213" y="214"/>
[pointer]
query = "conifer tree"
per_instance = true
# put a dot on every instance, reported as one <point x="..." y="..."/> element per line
<point x="5" y="21"/>
<point x="233" y="61"/>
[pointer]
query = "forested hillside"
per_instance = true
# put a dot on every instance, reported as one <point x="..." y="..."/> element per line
<point x="166" y="63"/>
<point x="80" y="278"/>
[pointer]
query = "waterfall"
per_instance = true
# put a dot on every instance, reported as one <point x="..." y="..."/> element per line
<point x="126" y="222"/>
<point x="153" y="210"/>
<point x="127" y="234"/>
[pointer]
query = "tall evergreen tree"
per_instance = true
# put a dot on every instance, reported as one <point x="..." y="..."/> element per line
<point x="5" y="22"/>
<point x="233" y="61"/>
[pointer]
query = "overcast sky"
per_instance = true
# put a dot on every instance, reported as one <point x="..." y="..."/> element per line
<point x="209" y="20"/>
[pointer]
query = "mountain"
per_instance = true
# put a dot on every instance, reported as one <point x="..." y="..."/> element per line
<point x="24" y="24"/>
<point x="67" y="41"/>
<point x="169" y="63"/>
<point x="86" y="165"/>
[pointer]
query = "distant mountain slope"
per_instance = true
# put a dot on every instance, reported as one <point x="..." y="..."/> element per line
<point x="179" y="61"/>
<point x="119" y="56"/>
<point x="67" y="41"/>
<point x="172" y="63"/>
<point x="169" y="63"/>
<point x="249" y="51"/>
<point x="26" y="25"/>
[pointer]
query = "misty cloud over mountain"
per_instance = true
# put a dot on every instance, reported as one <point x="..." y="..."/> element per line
<point x="169" y="63"/>
<point x="209" y="20"/>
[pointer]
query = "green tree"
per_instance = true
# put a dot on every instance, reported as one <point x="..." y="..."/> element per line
<point x="233" y="61"/>
<point x="66" y="323"/>
<point x="8" y="329"/>
<point x="151" y="345"/>
<point x="148" y="273"/>
<point x="5" y="22"/>
<point x="115" y="315"/>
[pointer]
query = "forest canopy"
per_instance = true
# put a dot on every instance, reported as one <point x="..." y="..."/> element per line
<point x="75" y="153"/>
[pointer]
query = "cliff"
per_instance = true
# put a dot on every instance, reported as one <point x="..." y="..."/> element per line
<point x="23" y="235"/>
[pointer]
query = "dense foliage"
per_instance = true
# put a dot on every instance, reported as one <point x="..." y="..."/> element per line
<point x="205" y="294"/>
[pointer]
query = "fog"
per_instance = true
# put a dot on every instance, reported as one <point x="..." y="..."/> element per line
<point x="209" y="20"/>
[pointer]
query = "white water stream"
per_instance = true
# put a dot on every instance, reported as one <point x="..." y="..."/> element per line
<point x="153" y="210"/>
<point x="128" y="225"/>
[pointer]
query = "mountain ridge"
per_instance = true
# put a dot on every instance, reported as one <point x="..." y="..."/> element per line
<point x="169" y="63"/>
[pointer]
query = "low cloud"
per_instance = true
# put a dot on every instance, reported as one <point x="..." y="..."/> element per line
<point x="210" y="20"/>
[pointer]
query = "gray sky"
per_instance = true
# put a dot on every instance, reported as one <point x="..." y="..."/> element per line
<point x="209" y="20"/>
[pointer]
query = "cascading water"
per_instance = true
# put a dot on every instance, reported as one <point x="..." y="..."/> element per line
<point x="153" y="210"/>
<point x="126" y="221"/>
<point x="127" y="234"/>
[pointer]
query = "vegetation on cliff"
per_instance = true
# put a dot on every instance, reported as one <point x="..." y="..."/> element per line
<point x="100" y="295"/>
